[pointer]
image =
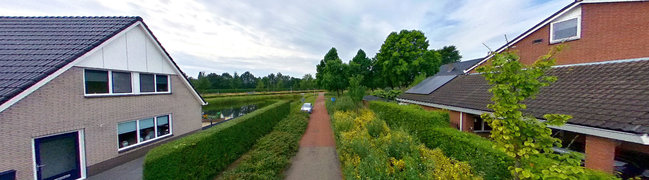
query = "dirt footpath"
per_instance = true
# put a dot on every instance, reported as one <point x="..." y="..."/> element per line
<point x="316" y="158"/>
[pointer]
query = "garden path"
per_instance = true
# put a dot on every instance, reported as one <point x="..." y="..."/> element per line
<point x="316" y="158"/>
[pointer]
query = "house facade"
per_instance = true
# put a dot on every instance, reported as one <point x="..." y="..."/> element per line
<point x="80" y="95"/>
<point x="601" y="83"/>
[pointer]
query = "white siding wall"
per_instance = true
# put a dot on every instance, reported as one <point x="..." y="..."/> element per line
<point x="133" y="51"/>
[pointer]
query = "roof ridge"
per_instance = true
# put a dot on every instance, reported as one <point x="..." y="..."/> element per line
<point x="64" y="17"/>
<point x="593" y="63"/>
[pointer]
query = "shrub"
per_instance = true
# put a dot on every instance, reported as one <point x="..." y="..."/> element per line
<point x="410" y="117"/>
<point x="272" y="153"/>
<point x="390" y="154"/>
<point x="343" y="103"/>
<point x="202" y="155"/>
<point x="229" y="101"/>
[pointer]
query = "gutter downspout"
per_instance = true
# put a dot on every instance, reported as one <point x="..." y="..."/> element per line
<point x="461" y="119"/>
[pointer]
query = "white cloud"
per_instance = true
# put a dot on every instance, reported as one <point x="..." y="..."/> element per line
<point x="292" y="36"/>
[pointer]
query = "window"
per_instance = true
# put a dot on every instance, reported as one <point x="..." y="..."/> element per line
<point x="127" y="134"/>
<point x="147" y="83"/>
<point x="96" y="82"/>
<point x="162" y="84"/>
<point x="136" y="132"/>
<point x="109" y="83"/>
<point x="480" y="125"/>
<point x="565" y="30"/>
<point x="121" y="82"/>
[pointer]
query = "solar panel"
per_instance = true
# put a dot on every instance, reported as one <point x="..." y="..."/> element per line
<point x="430" y="84"/>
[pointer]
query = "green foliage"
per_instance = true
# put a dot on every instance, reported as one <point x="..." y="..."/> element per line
<point x="273" y="152"/>
<point x="411" y="117"/>
<point x="370" y="150"/>
<point x="521" y="136"/>
<point x="344" y="103"/>
<point x="356" y="90"/>
<point x="432" y="128"/>
<point x="419" y="78"/>
<point x="361" y="65"/>
<point x="202" y="155"/>
<point x="404" y="55"/>
<point x="449" y="54"/>
<point x="247" y="82"/>
<point x="389" y="94"/>
<point x="334" y="77"/>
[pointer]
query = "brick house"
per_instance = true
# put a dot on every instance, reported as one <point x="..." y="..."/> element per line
<point x="603" y="83"/>
<point x="79" y="95"/>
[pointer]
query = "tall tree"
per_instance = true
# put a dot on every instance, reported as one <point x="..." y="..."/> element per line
<point x="361" y="65"/>
<point x="320" y="72"/>
<point x="404" y="55"/>
<point x="449" y="54"/>
<point x="334" y="76"/>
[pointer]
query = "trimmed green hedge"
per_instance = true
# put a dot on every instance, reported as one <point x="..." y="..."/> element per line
<point x="273" y="152"/>
<point x="411" y="117"/>
<point x="432" y="128"/>
<point x="203" y="155"/>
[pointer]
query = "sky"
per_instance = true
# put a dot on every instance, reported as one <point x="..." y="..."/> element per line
<point x="292" y="36"/>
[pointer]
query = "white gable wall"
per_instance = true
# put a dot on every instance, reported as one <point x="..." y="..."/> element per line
<point x="573" y="13"/>
<point x="131" y="51"/>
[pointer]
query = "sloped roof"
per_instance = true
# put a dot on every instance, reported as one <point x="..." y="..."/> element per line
<point x="611" y="95"/>
<point x="457" y="67"/>
<point x="32" y="48"/>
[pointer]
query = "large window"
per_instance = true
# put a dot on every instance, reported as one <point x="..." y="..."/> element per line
<point x="108" y="82"/>
<point x="147" y="83"/>
<point x="136" y="132"/>
<point x="565" y="30"/>
<point x="96" y="82"/>
<point x="122" y="82"/>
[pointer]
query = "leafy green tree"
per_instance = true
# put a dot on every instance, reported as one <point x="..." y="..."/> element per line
<point x="307" y="82"/>
<point x="449" y="54"/>
<point x="202" y="83"/>
<point x="361" y="65"/>
<point x="334" y="73"/>
<point x="404" y="55"/>
<point x="356" y="90"/>
<point x="522" y="136"/>
<point x="320" y="73"/>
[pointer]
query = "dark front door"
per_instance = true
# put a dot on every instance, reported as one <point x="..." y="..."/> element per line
<point x="57" y="157"/>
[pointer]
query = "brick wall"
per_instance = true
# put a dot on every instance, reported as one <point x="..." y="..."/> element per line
<point x="59" y="106"/>
<point x="609" y="31"/>
<point x="600" y="153"/>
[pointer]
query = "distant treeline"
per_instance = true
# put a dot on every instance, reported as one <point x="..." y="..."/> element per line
<point x="246" y="82"/>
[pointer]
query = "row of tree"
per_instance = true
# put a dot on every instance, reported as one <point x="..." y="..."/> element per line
<point x="247" y="80"/>
<point x="402" y="57"/>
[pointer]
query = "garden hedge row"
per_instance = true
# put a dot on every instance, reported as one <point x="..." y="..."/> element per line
<point x="204" y="154"/>
<point x="272" y="153"/>
<point x="432" y="128"/>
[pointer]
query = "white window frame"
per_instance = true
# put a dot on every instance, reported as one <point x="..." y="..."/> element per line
<point x="135" y="83"/>
<point x="578" y="36"/>
<point x="137" y="132"/>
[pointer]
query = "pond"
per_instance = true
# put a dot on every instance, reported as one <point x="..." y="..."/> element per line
<point x="215" y="115"/>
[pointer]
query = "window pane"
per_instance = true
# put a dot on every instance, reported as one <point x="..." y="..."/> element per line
<point x="477" y="124"/>
<point x="126" y="134"/>
<point x="163" y="125"/>
<point x="96" y="81"/>
<point x="161" y="83"/>
<point x="147" y="83"/>
<point x="565" y="29"/>
<point x="121" y="82"/>
<point x="146" y="129"/>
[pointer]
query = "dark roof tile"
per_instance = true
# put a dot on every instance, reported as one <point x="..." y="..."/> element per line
<point x="611" y="95"/>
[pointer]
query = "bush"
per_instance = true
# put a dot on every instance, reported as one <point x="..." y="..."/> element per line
<point x="203" y="155"/>
<point x="388" y="154"/>
<point x="273" y="152"/>
<point x="410" y="117"/>
<point x="473" y="149"/>
<point x="343" y="103"/>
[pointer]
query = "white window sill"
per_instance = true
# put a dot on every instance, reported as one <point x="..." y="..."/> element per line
<point x="123" y="94"/>
<point x="564" y="40"/>
<point x="119" y="150"/>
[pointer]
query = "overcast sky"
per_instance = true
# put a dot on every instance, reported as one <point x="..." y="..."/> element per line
<point x="292" y="36"/>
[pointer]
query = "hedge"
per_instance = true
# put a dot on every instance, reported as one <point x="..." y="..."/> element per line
<point x="230" y="101"/>
<point x="411" y="117"/>
<point x="432" y="128"/>
<point x="273" y="152"/>
<point x="203" y="155"/>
